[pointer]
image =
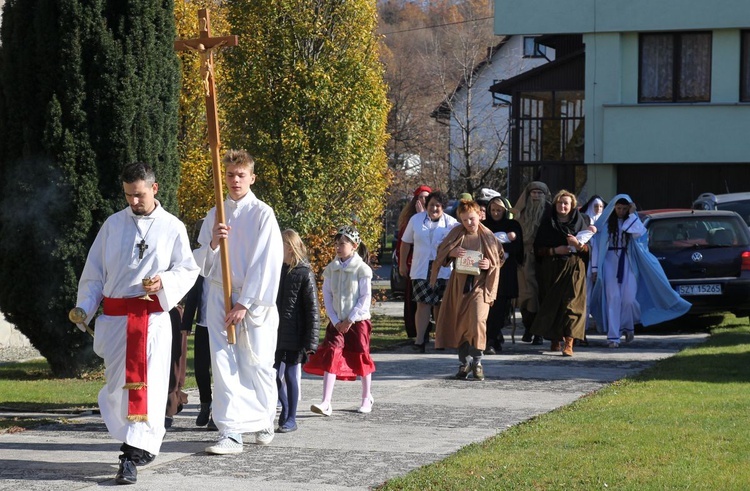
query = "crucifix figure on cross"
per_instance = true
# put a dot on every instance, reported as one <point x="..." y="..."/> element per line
<point x="142" y="246"/>
<point x="205" y="45"/>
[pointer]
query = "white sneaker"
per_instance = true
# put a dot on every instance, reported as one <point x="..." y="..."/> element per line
<point x="325" y="410"/>
<point x="629" y="336"/>
<point x="225" y="446"/>
<point x="264" y="437"/>
<point x="366" y="407"/>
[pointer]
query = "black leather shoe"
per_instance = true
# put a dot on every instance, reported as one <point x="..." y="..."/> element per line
<point x="127" y="473"/>
<point x="526" y="337"/>
<point x="421" y="348"/>
<point x="204" y="414"/>
<point x="145" y="459"/>
<point x="538" y="340"/>
<point x="490" y="351"/>
<point x="136" y="455"/>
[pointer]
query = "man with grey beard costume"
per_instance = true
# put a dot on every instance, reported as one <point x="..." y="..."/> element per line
<point x="530" y="207"/>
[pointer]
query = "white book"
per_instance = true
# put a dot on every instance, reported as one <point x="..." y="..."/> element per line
<point x="469" y="263"/>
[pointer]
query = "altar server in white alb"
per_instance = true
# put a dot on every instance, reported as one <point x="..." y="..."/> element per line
<point x="245" y="392"/>
<point x="134" y="333"/>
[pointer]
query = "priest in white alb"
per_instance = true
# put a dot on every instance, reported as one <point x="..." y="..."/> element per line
<point x="140" y="265"/>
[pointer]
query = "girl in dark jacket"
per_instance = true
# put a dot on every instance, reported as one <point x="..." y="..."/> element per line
<point x="299" y="323"/>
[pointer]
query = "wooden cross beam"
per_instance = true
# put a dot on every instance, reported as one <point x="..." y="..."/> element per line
<point x="205" y="45"/>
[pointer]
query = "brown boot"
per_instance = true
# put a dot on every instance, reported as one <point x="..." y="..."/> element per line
<point x="568" y="349"/>
<point x="555" y="345"/>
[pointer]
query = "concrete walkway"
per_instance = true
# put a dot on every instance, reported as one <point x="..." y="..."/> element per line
<point x="421" y="415"/>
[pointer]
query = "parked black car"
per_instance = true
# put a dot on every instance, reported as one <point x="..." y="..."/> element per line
<point x="705" y="255"/>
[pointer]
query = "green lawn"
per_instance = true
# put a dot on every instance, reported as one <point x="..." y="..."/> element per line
<point x="683" y="424"/>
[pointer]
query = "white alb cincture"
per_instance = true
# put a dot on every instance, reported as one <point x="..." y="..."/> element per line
<point x="244" y="340"/>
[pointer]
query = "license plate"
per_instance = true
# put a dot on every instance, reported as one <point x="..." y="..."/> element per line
<point x="710" y="289"/>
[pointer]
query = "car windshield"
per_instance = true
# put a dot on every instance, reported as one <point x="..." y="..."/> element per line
<point x="696" y="232"/>
<point x="741" y="207"/>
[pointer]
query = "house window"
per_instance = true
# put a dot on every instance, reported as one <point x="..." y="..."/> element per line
<point x="550" y="126"/>
<point x="745" y="67"/>
<point x="675" y="67"/>
<point x="531" y="49"/>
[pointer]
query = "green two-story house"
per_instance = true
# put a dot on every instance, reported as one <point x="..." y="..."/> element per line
<point x="647" y="97"/>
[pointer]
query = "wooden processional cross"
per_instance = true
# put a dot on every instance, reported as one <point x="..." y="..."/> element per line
<point x="204" y="45"/>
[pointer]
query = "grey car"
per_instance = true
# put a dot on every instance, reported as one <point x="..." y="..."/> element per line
<point x="737" y="202"/>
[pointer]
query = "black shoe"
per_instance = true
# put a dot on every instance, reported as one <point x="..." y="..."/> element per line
<point x="136" y="455"/>
<point x="538" y="340"/>
<point x="144" y="459"/>
<point x="490" y="351"/>
<point x="286" y="428"/>
<point x="526" y="337"/>
<point x="419" y="347"/>
<point x="168" y="421"/>
<point x="204" y="414"/>
<point x="127" y="473"/>
<point x="463" y="371"/>
<point x="211" y="426"/>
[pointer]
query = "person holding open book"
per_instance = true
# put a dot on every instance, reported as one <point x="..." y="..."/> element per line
<point x="476" y="256"/>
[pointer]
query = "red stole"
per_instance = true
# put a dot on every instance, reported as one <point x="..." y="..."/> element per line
<point x="136" y="358"/>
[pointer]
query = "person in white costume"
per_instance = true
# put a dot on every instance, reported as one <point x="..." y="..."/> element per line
<point x="593" y="209"/>
<point x="134" y="334"/>
<point x="617" y="274"/>
<point x="245" y="392"/>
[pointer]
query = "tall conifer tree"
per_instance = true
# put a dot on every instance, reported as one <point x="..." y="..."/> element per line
<point x="85" y="87"/>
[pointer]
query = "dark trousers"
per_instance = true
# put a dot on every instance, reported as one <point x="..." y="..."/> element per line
<point x="496" y="320"/>
<point x="289" y="397"/>
<point x="202" y="359"/>
<point x="410" y="310"/>
<point x="176" y="398"/>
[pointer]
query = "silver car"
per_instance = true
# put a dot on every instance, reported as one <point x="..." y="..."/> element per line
<point x="737" y="202"/>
